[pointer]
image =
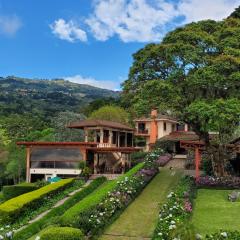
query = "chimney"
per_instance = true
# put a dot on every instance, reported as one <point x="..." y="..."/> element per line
<point x="153" y="127"/>
<point x="154" y="113"/>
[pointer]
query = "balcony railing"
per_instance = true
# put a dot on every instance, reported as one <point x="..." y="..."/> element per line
<point x="106" y="145"/>
<point x="142" y="131"/>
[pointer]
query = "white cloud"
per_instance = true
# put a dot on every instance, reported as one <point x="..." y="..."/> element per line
<point x="141" y="20"/>
<point x="9" y="25"/>
<point x="93" y="82"/>
<point x="195" y="10"/>
<point x="69" y="31"/>
<point x="145" y="21"/>
<point x="134" y="20"/>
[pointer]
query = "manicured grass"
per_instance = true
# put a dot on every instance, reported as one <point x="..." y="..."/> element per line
<point x="213" y="212"/>
<point x="140" y="218"/>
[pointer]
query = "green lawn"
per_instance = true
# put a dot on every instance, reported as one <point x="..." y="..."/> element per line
<point x="213" y="212"/>
<point x="139" y="219"/>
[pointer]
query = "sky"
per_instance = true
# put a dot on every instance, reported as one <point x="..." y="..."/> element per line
<point x="90" y="41"/>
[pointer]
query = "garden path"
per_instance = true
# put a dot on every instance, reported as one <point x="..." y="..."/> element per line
<point x="138" y="221"/>
<point x="59" y="203"/>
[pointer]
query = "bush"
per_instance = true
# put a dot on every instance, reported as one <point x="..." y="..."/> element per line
<point x="14" y="207"/>
<point x="62" y="233"/>
<point x="52" y="216"/>
<point x="12" y="191"/>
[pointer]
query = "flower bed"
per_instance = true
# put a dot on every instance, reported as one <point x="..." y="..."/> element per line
<point x="99" y="211"/>
<point x="219" y="182"/>
<point x="175" y="211"/>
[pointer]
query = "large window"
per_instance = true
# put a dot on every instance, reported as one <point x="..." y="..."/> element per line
<point x="55" y="157"/>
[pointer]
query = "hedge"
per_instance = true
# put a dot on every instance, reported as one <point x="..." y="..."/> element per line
<point x="16" y="190"/>
<point x="37" y="226"/>
<point x="70" y="216"/>
<point x="11" y="209"/>
<point x="62" y="233"/>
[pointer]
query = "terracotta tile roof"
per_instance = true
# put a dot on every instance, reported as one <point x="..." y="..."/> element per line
<point x="184" y="136"/>
<point x="180" y="136"/>
<point x="100" y="123"/>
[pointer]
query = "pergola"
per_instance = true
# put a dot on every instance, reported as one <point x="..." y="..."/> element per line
<point x="199" y="146"/>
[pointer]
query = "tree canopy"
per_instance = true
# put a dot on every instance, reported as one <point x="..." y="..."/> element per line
<point x="110" y="113"/>
<point x="193" y="73"/>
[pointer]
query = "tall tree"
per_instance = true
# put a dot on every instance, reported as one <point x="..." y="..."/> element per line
<point x="195" y="73"/>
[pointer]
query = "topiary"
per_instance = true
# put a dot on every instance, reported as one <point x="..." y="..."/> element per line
<point x="62" y="233"/>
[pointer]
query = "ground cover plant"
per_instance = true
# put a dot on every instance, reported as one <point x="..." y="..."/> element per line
<point x="93" y="214"/>
<point x="53" y="215"/>
<point x="59" y="191"/>
<point x="176" y="211"/>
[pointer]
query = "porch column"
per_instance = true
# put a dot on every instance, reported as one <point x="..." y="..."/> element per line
<point x="110" y="137"/>
<point x="125" y="139"/>
<point x="118" y="136"/>
<point x="95" y="163"/>
<point x="28" y="175"/>
<point x="186" y="127"/>
<point x="197" y="162"/>
<point x="86" y="135"/>
<point x="101" y="135"/>
<point x="123" y="162"/>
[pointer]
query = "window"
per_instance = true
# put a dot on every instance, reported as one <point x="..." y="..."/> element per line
<point x="165" y="126"/>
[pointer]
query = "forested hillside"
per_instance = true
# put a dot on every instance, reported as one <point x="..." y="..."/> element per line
<point x="47" y="97"/>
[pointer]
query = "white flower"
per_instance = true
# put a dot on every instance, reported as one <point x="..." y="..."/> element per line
<point x="173" y="222"/>
<point x="224" y="234"/>
<point x="9" y="234"/>
<point x="160" y="234"/>
<point x="37" y="238"/>
<point x="1" y="237"/>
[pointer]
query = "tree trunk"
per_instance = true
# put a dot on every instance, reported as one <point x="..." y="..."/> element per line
<point x="218" y="157"/>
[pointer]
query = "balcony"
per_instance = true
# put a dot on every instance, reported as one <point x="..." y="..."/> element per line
<point x="142" y="132"/>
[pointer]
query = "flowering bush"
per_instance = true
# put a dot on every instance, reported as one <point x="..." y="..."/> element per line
<point x="164" y="159"/>
<point x="175" y="211"/>
<point x="221" y="182"/>
<point x="222" y="235"/>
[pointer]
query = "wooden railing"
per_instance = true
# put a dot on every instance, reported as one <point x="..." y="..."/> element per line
<point x="106" y="145"/>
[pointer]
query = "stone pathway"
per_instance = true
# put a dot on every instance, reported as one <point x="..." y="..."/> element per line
<point x="59" y="203"/>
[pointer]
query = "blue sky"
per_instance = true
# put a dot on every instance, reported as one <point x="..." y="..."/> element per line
<point x="87" y="41"/>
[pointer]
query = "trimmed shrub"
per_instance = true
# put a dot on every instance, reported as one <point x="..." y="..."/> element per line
<point x="52" y="216"/>
<point x="62" y="233"/>
<point x="12" y="191"/>
<point x="11" y="209"/>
